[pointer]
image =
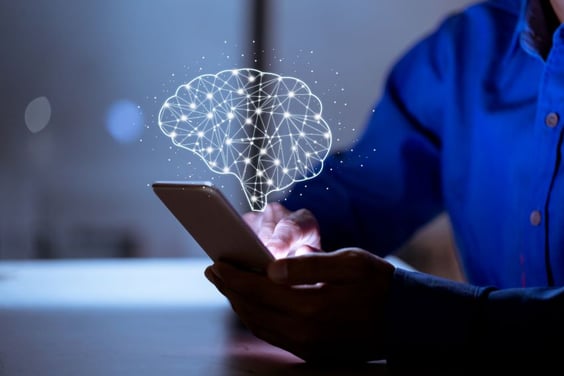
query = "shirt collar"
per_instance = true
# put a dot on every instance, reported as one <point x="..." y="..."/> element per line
<point x="534" y="28"/>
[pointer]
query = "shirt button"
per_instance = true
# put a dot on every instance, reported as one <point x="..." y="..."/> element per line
<point x="551" y="120"/>
<point x="535" y="217"/>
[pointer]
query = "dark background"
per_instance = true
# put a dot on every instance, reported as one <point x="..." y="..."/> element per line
<point x="81" y="84"/>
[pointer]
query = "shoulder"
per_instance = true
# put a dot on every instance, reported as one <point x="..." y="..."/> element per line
<point x="509" y="6"/>
<point x="481" y="32"/>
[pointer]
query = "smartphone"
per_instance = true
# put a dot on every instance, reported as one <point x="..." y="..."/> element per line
<point x="213" y="222"/>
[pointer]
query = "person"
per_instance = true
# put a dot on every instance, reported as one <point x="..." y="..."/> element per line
<point x="469" y="123"/>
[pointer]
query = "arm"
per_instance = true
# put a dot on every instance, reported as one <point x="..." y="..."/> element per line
<point x="384" y="187"/>
<point x="357" y="307"/>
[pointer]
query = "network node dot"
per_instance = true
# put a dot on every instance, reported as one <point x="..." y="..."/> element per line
<point x="266" y="138"/>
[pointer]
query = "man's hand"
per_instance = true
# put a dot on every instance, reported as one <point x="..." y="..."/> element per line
<point x="320" y="306"/>
<point x="285" y="233"/>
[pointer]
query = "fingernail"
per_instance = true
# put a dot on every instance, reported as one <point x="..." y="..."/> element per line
<point x="278" y="271"/>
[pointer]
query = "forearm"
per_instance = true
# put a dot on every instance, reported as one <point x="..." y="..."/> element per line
<point x="437" y="319"/>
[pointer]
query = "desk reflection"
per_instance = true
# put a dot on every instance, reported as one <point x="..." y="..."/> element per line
<point x="100" y="318"/>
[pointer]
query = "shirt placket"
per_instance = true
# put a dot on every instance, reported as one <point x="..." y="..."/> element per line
<point x="548" y="139"/>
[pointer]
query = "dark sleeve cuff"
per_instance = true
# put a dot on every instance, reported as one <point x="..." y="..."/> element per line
<point x="430" y="317"/>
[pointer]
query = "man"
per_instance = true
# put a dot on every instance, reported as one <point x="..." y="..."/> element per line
<point x="469" y="123"/>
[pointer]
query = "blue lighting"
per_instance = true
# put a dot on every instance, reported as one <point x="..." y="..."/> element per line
<point x="125" y="121"/>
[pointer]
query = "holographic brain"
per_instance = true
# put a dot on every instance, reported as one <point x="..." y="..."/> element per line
<point x="264" y="128"/>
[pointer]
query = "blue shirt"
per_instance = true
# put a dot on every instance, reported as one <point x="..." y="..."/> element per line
<point x="470" y="122"/>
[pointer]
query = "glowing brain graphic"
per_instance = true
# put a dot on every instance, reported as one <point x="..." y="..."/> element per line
<point x="261" y="127"/>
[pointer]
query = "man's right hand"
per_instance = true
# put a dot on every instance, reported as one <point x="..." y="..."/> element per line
<point x="285" y="233"/>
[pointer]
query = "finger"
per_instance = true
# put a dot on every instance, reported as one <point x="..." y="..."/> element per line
<point x="277" y="328"/>
<point x="297" y="229"/>
<point x="258" y="288"/>
<point x="267" y="220"/>
<point x="344" y="266"/>
<point x="304" y="250"/>
<point x="252" y="219"/>
<point x="311" y="333"/>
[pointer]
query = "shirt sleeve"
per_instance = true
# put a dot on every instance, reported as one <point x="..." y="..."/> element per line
<point x="437" y="320"/>
<point x="385" y="186"/>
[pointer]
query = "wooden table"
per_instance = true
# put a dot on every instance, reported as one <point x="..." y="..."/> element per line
<point x="130" y="317"/>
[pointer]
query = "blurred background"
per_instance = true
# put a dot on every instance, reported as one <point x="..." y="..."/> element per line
<point x="82" y="82"/>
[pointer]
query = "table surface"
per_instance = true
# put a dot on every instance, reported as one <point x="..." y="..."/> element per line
<point x="131" y="317"/>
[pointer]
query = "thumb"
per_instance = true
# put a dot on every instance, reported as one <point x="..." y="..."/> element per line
<point x="343" y="266"/>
